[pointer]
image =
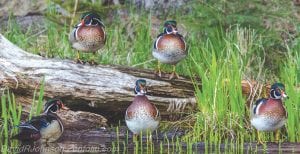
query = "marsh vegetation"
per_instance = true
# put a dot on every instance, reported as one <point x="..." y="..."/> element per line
<point x="228" y="41"/>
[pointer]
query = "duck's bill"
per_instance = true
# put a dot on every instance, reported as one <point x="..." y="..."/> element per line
<point x="285" y="95"/>
<point x="64" y="107"/>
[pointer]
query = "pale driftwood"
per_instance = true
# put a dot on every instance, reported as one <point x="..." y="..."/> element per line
<point x="106" y="90"/>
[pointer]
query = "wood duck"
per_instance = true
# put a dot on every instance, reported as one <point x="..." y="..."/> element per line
<point x="48" y="126"/>
<point x="169" y="47"/>
<point x="269" y="114"/>
<point x="141" y="116"/>
<point x="89" y="35"/>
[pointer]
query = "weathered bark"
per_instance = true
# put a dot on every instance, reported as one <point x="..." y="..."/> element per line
<point x="106" y="90"/>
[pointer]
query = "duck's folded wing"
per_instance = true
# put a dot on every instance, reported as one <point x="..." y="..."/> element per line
<point x="27" y="133"/>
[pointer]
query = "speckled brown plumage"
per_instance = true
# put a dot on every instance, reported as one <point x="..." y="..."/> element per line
<point x="269" y="114"/>
<point x="272" y="108"/>
<point x="141" y="116"/>
<point x="88" y="35"/>
<point x="169" y="47"/>
<point x="170" y="42"/>
<point x="92" y="38"/>
<point x="141" y="104"/>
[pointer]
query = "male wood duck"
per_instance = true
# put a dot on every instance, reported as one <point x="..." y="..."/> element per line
<point x="48" y="126"/>
<point x="169" y="47"/>
<point x="89" y="35"/>
<point x="141" y="116"/>
<point x="270" y="114"/>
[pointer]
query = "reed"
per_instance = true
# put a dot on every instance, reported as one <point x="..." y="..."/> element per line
<point x="11" y="116"/>
<point x="37" y="103"/>
<point x="224" y="48"/>
<point x="11" y="113"/>
<point x="290" y="75"/>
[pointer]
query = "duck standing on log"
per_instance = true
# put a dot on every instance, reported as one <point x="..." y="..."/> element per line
<point x="88" y="36"/>
<point x="169" y="48"/>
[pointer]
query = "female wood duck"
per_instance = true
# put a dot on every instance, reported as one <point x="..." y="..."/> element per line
<point x="48" y="126"/>
<point x="169" y="47"/>
<point x="270" y="114"/>
<point x="141" y="116"/>
<point x="89" y="35"/>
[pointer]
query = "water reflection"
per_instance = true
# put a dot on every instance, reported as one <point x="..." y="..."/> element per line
<point x="112" y="145"/>
<point x="30" y="147"/>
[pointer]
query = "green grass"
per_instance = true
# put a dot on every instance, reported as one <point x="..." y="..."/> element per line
<point x="10" y="117"/>
<point x="290" y="74"/>
<point x="11" y="114"/>
<point x="221" y="105"/>
<point x="222" y="108"/>
<point x="37" y="104"/>
<point x="11" y="110"/>
<point x="226" y="44"/>
<point x="130" y="40"/>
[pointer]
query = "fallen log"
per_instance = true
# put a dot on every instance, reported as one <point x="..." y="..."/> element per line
<point x="104" y="90"/>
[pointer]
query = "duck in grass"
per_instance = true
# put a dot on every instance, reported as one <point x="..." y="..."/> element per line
<point x="269" y="114"/>
<point x="88" y="36"/>
<point x="169" y="48"/>
<point x="46" y="127"/>
<point x="141" y="116"/>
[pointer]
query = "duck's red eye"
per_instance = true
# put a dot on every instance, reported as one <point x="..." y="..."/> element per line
<point x="58" y="102"/>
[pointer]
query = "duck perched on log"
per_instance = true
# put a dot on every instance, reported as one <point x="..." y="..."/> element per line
<point x="169" y="47"/>
<point x="88" y="36"/>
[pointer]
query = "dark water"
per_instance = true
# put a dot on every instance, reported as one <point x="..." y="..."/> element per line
<point x="120" y="141"/>
<point x="113" y="145"/>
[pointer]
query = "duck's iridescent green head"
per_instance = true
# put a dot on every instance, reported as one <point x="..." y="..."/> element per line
<point x="170" y="26"/>
<point x="140" y="87"/>
<point x="53" y="105"/>
<point x="278" y="91"/>
<point x="89" y="18"/>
